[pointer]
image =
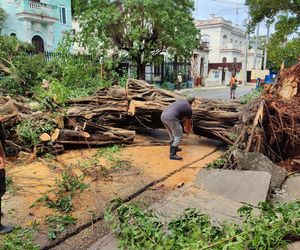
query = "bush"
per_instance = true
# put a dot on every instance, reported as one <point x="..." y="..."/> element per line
<point x="255" y="93"/>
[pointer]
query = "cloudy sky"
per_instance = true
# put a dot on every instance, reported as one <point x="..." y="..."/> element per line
<point x="233" y="10"/>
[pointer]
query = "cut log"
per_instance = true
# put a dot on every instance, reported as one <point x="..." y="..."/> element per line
<point x="66" y="134"/>
<point x="45" y="137"/>
<point x="55" y="135"/>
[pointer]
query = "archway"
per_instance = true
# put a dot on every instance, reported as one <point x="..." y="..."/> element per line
<point x="38" y="42"/>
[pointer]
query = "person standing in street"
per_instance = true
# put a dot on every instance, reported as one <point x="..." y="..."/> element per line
<point x="178" y="81"/>
<point x="178" y="112"/>
<point x="233" y="85"/>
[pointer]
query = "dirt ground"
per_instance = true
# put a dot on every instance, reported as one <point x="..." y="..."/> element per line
<point x="140" y="165"/>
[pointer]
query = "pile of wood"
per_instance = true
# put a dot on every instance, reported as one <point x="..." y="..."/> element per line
<point x="269" y="124"/>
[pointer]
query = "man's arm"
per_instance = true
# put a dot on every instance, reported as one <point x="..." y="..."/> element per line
<point x="2" y="157"/>
<point x="187" y="125"/>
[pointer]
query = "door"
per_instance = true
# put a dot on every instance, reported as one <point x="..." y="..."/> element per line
<point x="38" y="42"/>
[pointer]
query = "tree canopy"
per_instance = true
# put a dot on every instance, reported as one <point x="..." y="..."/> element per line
<point x="285" y="42"/>
<point x="140" y="30"/>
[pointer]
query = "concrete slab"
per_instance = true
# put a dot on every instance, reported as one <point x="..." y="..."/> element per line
<point x="290" y="190"/>
<point x="241" y="186"/>
<point x="217" y="207"/>
<point x="108" y="242"/>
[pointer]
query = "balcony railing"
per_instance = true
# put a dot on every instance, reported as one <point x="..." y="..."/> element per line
<point x="37" y="11"/>
<point x="39" y="6"/>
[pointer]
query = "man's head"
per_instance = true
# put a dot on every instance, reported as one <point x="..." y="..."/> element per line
<point x="190" y="99"/>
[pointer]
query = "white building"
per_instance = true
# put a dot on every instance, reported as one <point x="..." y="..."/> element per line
<point x="227" y="42"/>
<point x="226" y="49"/>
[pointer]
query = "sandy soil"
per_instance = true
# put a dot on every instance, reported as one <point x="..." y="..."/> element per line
<point x="143" y="165"/>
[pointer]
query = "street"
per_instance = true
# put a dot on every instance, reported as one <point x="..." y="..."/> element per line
<point x="218" y="93"/>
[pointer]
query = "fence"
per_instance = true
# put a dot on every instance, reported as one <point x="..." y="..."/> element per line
<point x="154" y="73"/>
<point x="160" y="73"/>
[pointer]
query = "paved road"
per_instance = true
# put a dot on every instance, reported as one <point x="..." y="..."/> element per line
<point x="221" y="93"/>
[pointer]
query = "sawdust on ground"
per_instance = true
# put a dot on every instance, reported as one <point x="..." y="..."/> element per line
<point x="34" y="179"/>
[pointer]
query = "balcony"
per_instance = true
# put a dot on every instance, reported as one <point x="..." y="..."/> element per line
<point x="230" y="47"/>
<point x="40" y="12"/>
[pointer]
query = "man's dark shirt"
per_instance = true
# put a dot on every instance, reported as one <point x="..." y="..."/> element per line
<point x="177" y="110"/>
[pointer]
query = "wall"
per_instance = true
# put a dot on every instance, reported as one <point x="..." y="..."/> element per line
<point x="27" y="19"/>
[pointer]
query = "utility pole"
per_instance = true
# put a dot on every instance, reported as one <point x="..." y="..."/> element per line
<point x="256" y="47"/>
<point x="266" y="46"/>
<point x="245" y="52"/>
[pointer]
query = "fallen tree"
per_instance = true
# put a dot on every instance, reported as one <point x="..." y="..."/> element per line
<point x="269" y="124"/>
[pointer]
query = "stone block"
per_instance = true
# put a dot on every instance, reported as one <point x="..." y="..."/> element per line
<point x="249" y="187"/>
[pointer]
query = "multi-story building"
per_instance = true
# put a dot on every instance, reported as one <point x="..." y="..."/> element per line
<point x="227" y="46"/>
<point x="40" y="22"/>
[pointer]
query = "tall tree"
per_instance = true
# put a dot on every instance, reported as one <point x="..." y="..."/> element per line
<point x="285" y="42"/>
<point x="138" y="29"/>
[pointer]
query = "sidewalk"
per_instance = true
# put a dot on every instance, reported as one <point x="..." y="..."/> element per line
<point x="203" y="88"/>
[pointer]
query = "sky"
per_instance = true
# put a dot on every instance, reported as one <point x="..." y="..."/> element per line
<point x="233" y="10"/>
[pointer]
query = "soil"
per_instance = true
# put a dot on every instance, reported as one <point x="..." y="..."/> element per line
<point x="143" y="164"/>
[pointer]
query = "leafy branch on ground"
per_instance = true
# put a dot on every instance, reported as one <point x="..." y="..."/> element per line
<point x="142" y="229"/>
<point x="57" y="224"/>
<point x="19" y="239"/>
<point x="64" y="192"/>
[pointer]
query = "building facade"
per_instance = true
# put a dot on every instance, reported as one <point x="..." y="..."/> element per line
<point x="40" y="22"/>
<point x="227" y="47"/>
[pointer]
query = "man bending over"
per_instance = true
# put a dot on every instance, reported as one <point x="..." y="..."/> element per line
<point x="172" y="117"/>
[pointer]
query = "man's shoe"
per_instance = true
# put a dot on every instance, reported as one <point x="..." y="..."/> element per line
<point x="173" y="155"/>
<point x="5" y="229"/>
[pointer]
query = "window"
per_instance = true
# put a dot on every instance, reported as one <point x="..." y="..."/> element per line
<point x="224" y="60"/>
<point x="63" y="16"/>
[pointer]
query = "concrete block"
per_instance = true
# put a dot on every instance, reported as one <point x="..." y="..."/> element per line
<point x="249" y="187"/>
<point x="108" y="242"/>
<point x="252" y="161"/>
